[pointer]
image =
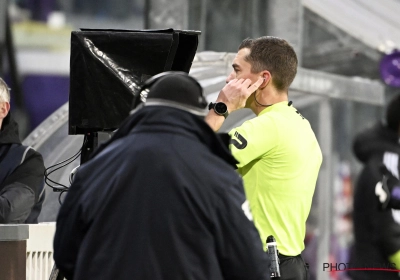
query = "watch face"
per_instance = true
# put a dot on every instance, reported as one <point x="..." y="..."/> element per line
<point x="221" y="108"/>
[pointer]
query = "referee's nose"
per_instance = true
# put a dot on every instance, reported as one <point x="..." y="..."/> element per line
<point x="230" y="77"/>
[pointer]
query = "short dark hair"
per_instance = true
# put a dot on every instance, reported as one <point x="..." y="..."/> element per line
<point x="393" y="113"/>
<point x="275" y="55"/>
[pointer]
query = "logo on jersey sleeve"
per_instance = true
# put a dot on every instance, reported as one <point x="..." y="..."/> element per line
<point x="241" y="144"/>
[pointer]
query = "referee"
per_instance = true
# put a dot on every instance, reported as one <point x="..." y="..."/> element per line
<point x="278" y="153"/>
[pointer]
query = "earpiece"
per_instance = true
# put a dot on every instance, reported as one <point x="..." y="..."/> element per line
<point x="263" y="84"/>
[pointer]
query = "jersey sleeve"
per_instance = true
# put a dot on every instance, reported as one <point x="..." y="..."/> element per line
<point x="253" y="139"/>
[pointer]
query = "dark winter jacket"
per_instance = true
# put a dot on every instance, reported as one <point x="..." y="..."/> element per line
<point x="376" y="232"/>
<point x="161" y="200"/>
<point x="21" y="177"/>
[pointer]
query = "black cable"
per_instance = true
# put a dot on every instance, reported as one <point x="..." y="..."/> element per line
<point x="67" y="161"/>
<point x="59" y="197"/>
<point x="58" y="186"/>
<point x="47" y="174"/>
<point x="262" y="105"/>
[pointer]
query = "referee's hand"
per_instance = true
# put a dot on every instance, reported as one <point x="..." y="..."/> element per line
<point x="235" y="93"/>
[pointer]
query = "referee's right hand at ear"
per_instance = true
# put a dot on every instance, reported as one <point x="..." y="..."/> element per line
<point x="235" y="93"/>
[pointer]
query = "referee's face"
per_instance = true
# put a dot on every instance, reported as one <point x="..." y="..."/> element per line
<point x="242" y="68"/>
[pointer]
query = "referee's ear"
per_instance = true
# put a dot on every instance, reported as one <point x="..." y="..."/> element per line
<point x="266" y="75"/>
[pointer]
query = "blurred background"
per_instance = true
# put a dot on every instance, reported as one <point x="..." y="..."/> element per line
<point x="342" y="87"/>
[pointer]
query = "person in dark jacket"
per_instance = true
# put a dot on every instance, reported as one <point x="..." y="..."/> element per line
<point x="21" y="171"/>
<point x="376" y="230"/>
<point x="160" y="200"/>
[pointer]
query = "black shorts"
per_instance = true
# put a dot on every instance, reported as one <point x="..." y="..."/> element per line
<point x="293" y="268"/>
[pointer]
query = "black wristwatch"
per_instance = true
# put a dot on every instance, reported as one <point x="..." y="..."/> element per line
<point x="220" y="108"/>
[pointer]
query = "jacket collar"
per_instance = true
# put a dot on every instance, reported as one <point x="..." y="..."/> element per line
<point x="9" y="131"/>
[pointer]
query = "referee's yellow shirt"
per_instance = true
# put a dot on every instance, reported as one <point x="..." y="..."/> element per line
<point x="279" y="160"/>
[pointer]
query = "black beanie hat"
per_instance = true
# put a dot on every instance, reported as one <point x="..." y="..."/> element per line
<point x="176" y="89"/>
<point x="393" y="113"/>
